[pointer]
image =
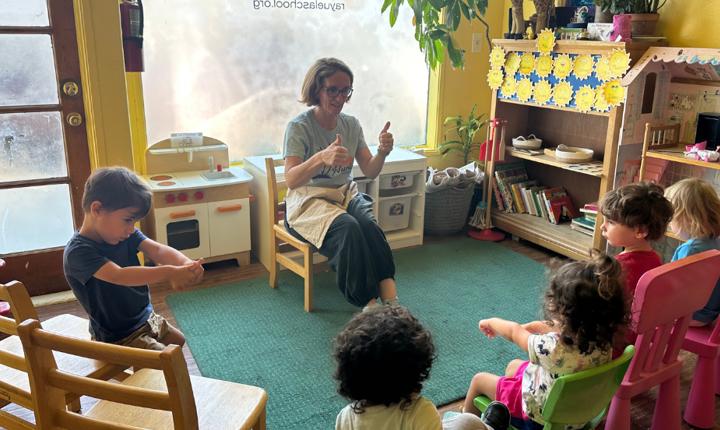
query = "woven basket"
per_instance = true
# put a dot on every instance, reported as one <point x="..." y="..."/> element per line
<point x="446" y="210"/>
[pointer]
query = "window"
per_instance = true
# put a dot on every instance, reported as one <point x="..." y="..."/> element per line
<point x="649" y="93"/>
<point x="233" y="70"/>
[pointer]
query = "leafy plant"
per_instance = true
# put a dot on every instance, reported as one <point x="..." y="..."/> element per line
<point x="465" y="128"/>
<point x="630" y="6"/>
<point x="435" y="21"/>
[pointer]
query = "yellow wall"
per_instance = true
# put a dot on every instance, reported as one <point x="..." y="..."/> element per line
<point x="103" y="77"/>
<point x="458" y="90"/>
<point x="691" y="23"/>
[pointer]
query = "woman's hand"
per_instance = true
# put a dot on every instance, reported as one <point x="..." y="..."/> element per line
<point x="335" y="154"/>
<point x="386" y="140"/>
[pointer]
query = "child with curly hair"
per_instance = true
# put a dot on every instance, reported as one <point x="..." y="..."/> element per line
<point x="584" y="306"/>
<point x="383" y="357"/>
<point x="697" y="221"/>
<point x="635" y="215"/>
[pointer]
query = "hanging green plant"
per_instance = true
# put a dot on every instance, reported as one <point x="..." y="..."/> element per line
<point x="435" y="22"/>
<point x="466" y="129"/>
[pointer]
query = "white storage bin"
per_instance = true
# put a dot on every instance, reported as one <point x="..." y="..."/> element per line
<point x="362" y="186"/>
<point x="395" y="213"/>
<point x="396" y="181"/>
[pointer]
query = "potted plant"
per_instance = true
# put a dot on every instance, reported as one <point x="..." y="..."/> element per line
<point x="465" y="129"/>
<point x="435" y="22"/>
<point x="643" y="13"/>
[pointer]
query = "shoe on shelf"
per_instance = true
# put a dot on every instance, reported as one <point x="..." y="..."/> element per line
<point x="496" y="416"/>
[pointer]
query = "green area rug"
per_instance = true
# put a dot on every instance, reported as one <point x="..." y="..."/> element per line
<point x="249" y="333"/>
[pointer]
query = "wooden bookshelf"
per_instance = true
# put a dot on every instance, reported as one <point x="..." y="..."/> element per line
<point x="590" y="168"/>
<point x="559" y="238"/>
<point x="675" y="154"/>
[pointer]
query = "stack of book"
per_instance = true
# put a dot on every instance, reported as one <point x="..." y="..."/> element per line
<point x="586" y="222"/>
<point x="516" y="193"/>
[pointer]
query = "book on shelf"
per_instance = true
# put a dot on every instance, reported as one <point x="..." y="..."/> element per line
<point x="590" y="208"/>
<point x="505" y="175"/>
<point x="582" y="230"/>
<point x="498" y="197"/>
<point x="519" y="191"/>
<point x="584" y="223"/>
<point x="559" y="205"/>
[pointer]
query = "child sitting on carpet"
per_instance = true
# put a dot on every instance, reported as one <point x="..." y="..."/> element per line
<point x="634" y="216"/>
<point x="585" y="306"/>
<point x="697" y="220"/>
<point x="383" y="357"/>
<point x="102" y="267"/>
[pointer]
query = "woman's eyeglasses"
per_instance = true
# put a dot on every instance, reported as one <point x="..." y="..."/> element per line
<point x="335" y="91"/>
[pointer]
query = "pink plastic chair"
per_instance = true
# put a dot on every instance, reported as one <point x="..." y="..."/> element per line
<point x="664" y="301"/>
<point x="700" y="407"/>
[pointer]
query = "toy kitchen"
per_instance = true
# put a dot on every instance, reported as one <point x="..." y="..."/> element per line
<point x="200" y="204"/>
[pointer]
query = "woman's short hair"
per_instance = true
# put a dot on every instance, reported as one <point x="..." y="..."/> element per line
<point x="697" y="208"/>
<point x="383" y="356"/>
<point x="315" y="78"/>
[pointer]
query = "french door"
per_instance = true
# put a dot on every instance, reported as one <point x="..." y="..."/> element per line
<point x="44" y="156"/>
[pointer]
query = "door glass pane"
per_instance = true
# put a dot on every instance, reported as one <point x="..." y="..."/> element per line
<point x="27" y="70"/>
<point x="31" y="13"/>
<point x="31" y="146"/>
<point x="35" y="218"/>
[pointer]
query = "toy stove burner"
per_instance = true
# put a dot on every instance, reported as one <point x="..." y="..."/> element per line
<point x="166" y="183"/>
<point x="160" y="177"/>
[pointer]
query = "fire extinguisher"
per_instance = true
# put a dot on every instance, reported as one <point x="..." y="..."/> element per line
<point x="131" y="21"/>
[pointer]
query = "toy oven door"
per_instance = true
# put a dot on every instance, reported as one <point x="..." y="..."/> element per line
<point x="184" y="228"/>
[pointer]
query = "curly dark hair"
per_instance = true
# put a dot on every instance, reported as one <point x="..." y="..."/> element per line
<point x="639" y="205"/>
<point x="383" y="357"/>
<point x="587" y="299"/>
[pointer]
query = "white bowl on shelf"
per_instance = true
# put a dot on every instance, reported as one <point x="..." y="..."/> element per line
<point x="573" y="154"/>
<point x="531" y="142"/>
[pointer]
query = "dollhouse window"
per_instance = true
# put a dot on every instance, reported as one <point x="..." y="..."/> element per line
<point x="234" y="70"/>
<point x="649" y="93"/>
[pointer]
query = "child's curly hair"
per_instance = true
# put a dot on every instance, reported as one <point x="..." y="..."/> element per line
<point x="587" y="299"/>
<point x="383" y="357"/>
<point x="639" y="205"/>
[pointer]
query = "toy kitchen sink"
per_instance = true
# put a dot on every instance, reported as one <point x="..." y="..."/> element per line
<point x="201" y="205"/>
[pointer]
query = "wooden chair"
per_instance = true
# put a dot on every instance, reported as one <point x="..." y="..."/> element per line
<point x="664" y="302"/>
<point x="280" y="237"/>
<point x="14" y="384"/>
<point x="144" y="399"/>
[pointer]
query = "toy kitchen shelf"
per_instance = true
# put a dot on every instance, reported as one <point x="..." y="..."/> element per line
<point x="400" y="163"/>
<point x="201" y="205"/>
<point x="584" y="182"/>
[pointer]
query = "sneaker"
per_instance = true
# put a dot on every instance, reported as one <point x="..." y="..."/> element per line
<point x="496" y="416"/>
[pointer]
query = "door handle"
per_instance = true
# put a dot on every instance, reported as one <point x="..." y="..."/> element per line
<point x="231" y="208"/>
<point x="185" y="214"/>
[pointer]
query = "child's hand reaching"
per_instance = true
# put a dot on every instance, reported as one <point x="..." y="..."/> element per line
<point x="198" y="270"/>
<point x="188" y="273"/>
<point x="486" y="328"/>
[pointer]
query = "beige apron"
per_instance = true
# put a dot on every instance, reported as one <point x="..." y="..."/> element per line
<point x="311" y="210"/>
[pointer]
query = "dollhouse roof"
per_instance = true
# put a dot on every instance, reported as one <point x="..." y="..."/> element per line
<point x="701" y="64"/>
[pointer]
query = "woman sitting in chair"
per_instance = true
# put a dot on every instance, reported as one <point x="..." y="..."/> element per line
<point x="323" y="205"/>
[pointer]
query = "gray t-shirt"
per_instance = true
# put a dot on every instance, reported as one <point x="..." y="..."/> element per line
<point x="304" y="137"/>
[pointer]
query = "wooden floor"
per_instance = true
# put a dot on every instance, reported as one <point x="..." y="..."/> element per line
<point x="642" y="405"/>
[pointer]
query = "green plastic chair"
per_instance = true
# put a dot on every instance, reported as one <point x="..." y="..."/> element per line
<point x="580" y="397"/>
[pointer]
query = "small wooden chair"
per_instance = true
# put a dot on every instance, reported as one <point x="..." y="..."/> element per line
<point x="279" y="236"/>
<point x="14" y="385"/>
<point x="140" y="401"/>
